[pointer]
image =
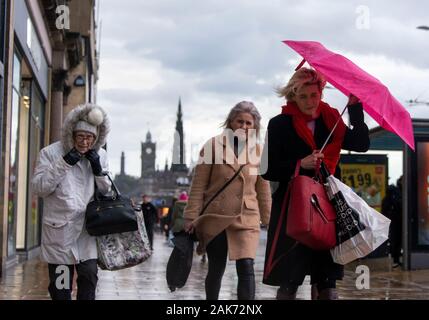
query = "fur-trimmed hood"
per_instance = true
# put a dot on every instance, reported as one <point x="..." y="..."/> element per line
<point x="80" y="113"/>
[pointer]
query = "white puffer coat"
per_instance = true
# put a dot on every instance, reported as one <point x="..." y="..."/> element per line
<point x="66" y="191"/>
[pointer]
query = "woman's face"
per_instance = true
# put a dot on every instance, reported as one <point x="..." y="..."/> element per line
<point x="243" y="121"/>
<point x="308" y="98"/>
<point x="83" y="141"/>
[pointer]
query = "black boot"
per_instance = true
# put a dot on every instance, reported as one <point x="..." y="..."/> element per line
<point x="287" y="293"/>
<point x="246" y="279"/>
<point x="213" y="284"/>
<point x="314" y="292"/>
<point x="327" y="290"/>
<point x="328" y="294"/>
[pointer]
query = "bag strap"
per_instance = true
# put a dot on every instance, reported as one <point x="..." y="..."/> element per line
<point x="271" y="262"/>
<point x="221" y="189"/>
<point x="317" y="170"/>
<point x="298" y="166"/>
<point x="114" y="187"/>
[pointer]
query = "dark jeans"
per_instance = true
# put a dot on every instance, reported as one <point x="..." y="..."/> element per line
<point x="149" y="230"/>
<point x="217" y="252"/>
<point x="86" y="280"/>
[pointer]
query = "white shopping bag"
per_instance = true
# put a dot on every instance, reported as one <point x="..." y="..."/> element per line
<point x="360" y="228"/>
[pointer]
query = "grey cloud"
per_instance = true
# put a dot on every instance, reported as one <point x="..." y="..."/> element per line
<point x="214" y="36"/>
<point x="214" y="53"/>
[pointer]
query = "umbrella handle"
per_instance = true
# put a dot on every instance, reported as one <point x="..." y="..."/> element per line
<point x="332" y="131"/>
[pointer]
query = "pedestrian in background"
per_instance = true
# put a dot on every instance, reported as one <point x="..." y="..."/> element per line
<point x="150" y="215"/>
<point x="391" y="207"/>
<point x="166" y="220"/>
<point x="177" y="217"/>
<point x="64" y="177"/>
<point x="231" y="223"/>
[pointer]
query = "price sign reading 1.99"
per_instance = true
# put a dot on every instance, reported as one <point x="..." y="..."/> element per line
<point x="355" y="177"/>
<point x="367" y="176"/>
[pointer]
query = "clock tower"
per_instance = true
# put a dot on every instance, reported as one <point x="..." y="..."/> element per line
<point x="148" y="155"/>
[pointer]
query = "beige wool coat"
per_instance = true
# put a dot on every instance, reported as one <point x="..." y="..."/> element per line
<point x="238" y="210"/>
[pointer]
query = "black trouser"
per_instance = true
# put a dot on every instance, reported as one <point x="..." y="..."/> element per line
<point x="149" y="230"/>
<point x="395" y="239"/>
<point x="322" y="285"/>
<point x="301" y="261"/>
<point x="86" y="280"/>
<point x="217" y="252"/>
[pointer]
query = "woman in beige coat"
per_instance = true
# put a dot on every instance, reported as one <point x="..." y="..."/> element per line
<point x="231" y="222"/>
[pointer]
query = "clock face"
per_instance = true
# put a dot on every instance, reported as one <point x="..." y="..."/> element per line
<point x="148" y="150"/>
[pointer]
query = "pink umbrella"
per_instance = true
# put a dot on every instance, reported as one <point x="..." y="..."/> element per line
<point x="347" y="77"/>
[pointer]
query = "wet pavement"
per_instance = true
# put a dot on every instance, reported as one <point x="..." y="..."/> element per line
<point x="29" y="281"/>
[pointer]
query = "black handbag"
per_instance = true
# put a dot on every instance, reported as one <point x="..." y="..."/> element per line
<point x="110" y="214"/>
<point x="180" y="262"/>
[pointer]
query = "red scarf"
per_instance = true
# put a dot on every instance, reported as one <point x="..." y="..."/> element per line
<point x="330" y="117"/>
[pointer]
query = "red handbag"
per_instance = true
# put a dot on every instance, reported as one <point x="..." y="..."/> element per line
<point x="311" y="216"/>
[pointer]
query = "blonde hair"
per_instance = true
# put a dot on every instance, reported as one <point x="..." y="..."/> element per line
<point x="302" y="77"/>
<point x="244" y="107"/>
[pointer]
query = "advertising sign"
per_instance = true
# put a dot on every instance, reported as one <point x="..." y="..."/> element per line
<point x="367" y="176"/>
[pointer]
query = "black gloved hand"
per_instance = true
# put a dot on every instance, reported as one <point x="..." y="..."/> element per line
<point x="356" y="114"/>
<point x="94" y="160"/>
<point x="72" y="157"/>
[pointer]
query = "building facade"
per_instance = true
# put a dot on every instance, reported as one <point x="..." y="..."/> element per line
<point x="48" y="66"/>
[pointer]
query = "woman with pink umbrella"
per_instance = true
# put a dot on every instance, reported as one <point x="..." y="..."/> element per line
<point x="297" y="135"/>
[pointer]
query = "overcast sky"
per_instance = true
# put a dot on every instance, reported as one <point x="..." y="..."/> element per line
<point x="215" y="53"/>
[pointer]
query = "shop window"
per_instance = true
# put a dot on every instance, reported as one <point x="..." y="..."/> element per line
<point x="14" y="160"/>
<point x="34" y="204"/>
<point x="27" y="136"/>
<point x="22" y="169"/>
<point x="2" y="28"/>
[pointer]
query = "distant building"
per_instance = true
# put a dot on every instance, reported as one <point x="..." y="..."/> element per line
<point x="148" y="156"/>
<point x="164" y="184"/>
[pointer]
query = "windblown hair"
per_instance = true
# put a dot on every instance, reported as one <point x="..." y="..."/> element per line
<point x="302" y="77"/>
<point x="244" y="107"/>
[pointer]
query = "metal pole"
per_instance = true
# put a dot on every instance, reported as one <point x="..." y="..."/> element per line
<point x="405" y="219"/>
<point x="333" y="129"/>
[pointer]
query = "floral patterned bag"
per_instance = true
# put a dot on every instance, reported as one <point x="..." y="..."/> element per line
<point x="124" y="250"/>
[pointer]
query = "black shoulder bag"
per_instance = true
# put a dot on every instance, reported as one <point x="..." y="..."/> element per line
<point x="110" y="214"/>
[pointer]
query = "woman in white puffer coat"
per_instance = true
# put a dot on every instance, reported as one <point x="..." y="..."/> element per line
<point x="64" y="177"/>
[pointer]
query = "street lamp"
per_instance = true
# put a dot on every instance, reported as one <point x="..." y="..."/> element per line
<point x="416" y="102"/>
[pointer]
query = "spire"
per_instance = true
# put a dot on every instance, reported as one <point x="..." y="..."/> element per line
<point x="178" y="163"/>
<point x="179" y="123"/>
<point x="148" y="137"/>
<point x="180" y="107"/>
<point x="122" y="164"/>
<point x="166" y="165"/>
